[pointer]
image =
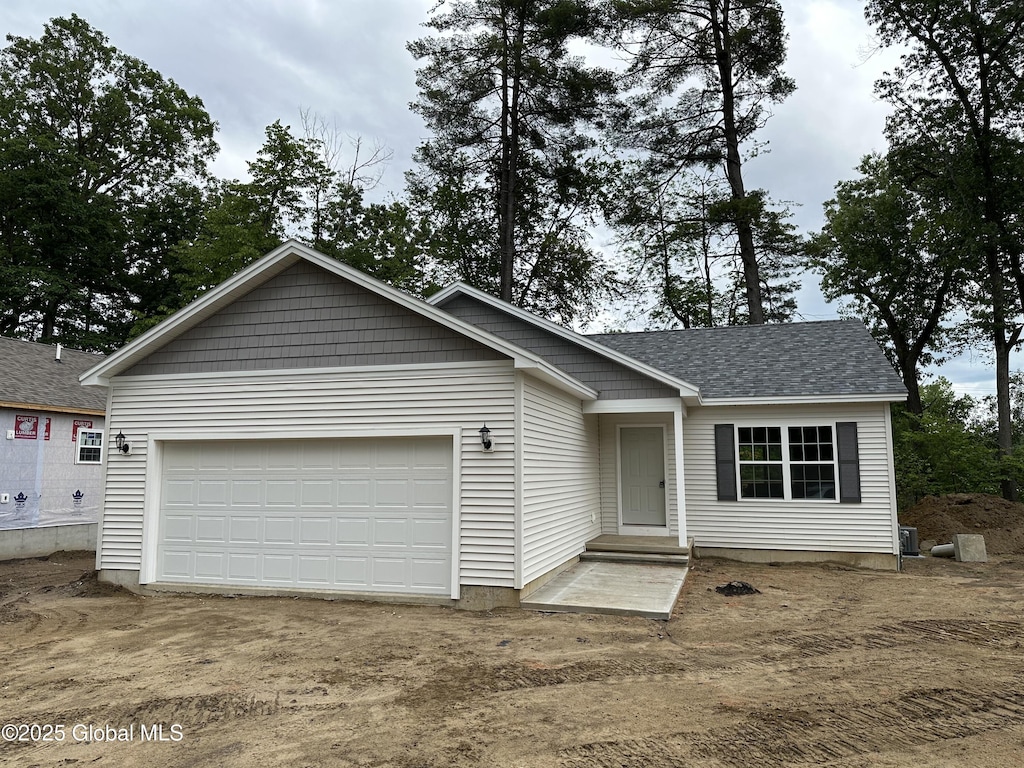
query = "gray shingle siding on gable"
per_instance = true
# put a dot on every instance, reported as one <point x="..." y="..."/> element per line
<point x="306" y="317"/>
<point x="819" y="359"/>
<point x="611" y="380"/>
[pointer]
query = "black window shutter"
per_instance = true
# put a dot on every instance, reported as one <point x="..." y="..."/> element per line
<point x="849" y="462"/>
<point x="725" y="461"/>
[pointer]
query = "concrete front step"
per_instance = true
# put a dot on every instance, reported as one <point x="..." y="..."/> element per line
<point x="624" y="589"/>
<point x="648" y="558"/>
<point x="644" y="545"/>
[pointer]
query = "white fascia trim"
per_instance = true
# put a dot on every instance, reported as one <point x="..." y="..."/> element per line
<point x="650" y="405"/>
<point x="685" y="388"/>
<point x="803" y="400"/>
<point x="318" y="374"/>
<point x="285" y="255"/>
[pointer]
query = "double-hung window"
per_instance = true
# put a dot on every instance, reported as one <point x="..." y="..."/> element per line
<point x="761" y="463"/>
<point x="812" y="468"/>
<point x="786" y="462"/>
<point x="89" y="447"/>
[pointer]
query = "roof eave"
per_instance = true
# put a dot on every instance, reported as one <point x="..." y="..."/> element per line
<point x="557" y="377"/>
<point x="686" y="390"/>
<point x="870" y="397"/>
<point x="73" y="409"/>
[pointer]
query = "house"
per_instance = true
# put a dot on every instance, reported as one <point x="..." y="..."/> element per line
<point x="303" y="427"/>
<point x="51" y="449"/>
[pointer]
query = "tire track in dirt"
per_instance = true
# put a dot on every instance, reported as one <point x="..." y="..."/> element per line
<point x="474" y="677"/>
<point x="193" y="711"/>
<point x="976" y="633"/>
<point x="792" y="651"/>
<point x="776" y="736"/>
<point x="462" y="681"/>
<point x="15" y="610"/>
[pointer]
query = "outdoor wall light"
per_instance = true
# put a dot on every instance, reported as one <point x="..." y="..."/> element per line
<point x="485" y="438"/>
<point x="123" y="446"/>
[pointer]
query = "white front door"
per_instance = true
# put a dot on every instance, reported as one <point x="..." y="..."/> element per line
<point x="642" y="480"/>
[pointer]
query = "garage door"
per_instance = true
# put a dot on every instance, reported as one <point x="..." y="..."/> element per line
<point x="363" y="514"/>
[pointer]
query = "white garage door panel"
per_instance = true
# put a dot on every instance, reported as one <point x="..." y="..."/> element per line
<point x="355" y="514"/>
<point x="245" y="530"/>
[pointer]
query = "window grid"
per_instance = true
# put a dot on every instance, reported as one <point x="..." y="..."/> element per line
<point x="761" y="465"/>
<point x="812" y="462"/>
<point x="768" y="455"/>
<point x="89" y="447"/>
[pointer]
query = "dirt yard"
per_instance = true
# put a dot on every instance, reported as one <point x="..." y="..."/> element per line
<point x="827" y="666"/>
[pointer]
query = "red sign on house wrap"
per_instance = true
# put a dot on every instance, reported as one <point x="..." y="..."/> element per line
<point x="79" y="424"/>
<point x="26" y="427"/>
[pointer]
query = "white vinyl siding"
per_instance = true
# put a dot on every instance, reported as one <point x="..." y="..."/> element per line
<point x="336" y="403"/>
<point x="610" y="468"/>
<point x="560" y="493"/>
<point x="801" y="524"/>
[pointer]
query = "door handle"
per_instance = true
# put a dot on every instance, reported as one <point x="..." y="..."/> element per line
<point x="661" y="484"/>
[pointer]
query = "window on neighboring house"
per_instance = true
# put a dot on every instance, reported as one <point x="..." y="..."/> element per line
<point x="89" y="448"/>
<point x="786" y="463"/>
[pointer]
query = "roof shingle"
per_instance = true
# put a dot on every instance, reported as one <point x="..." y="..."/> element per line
<point x="817" y="359"/>
<point x="31" y="377"/>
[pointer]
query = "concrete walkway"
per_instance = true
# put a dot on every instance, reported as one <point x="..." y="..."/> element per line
<point x="624" y="589"/>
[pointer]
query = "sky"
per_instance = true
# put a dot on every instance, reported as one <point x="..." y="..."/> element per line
<point x="256" y="61"/>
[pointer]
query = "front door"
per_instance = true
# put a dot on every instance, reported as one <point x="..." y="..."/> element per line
<point x="642" y="480"/>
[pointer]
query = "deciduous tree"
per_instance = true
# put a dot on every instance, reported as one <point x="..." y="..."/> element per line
<point x="959" y="89"/>
<point x="890" y="255"/>
<point x="89" y="137"/>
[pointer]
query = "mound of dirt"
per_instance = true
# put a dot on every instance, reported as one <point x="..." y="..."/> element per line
<point x="1001" y="522"/>
<point x="90" y="586"/>
<point x="87" y="585"/>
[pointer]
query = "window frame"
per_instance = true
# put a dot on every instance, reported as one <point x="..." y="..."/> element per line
<point x="81" y="443"/>
<point x="787" y="462"/>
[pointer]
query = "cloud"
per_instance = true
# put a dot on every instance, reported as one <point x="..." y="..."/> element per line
<point x="256" y="62"/>
<point x="818" y="135"/>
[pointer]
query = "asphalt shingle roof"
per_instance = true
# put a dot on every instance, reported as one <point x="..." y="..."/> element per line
<point x="828" y="358"/>
<point x="30" y="376"/>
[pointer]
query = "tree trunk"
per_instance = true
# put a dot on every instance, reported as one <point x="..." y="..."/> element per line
<point x="1002" y="352"/>
<point x="910" y="381"/>
<point x="719" y="14"/>
<point x="49" y="324"/>
<point x="510" y="92"/>
<point x="1001" y="346"/>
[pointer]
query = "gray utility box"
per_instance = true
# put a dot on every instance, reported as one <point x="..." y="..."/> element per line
<point x="908" y="542"/>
